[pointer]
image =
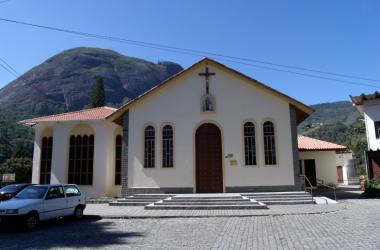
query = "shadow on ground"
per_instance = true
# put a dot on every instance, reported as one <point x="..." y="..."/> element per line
<point x="342" y="194"/>
<point x="88" y="232"/>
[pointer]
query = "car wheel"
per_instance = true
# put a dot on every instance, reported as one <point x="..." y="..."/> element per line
<point x="78" y="213"/>
<point x="31" y="221"/>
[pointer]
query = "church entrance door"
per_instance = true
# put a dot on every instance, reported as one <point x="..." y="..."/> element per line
<point x="209" y="172"/>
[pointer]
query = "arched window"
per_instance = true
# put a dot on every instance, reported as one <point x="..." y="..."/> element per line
<point x="249" y="144"/>
<point x="81" y="159"/>
<point x="167" y="147"/>
<point x="118" y="148"/>
<point x="269" y="143"/>
<point x="149" y="147"/>
<point x="46" y="155"/>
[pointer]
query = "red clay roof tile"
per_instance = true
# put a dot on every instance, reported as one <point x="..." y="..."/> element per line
<point x="80" y="115"/>
<point x="310" y="144"/>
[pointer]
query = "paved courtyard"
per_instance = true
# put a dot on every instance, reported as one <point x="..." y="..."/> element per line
<point x="355" y="225"/>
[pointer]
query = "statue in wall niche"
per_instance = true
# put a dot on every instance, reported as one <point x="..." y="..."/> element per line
<point x="208" y="103"/>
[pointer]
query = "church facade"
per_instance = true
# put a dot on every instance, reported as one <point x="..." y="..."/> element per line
<point x="207" y="129"/>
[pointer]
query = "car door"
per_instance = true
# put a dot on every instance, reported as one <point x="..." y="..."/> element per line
<point x="74" y="198"/>
<point x="55" y="202"/>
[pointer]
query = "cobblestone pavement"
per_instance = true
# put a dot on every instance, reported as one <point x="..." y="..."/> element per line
<point x="106" y="211"/>
<point x="355" y="227"/>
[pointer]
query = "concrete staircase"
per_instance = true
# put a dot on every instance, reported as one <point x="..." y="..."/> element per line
<point x="281" y="198"/>
<point x="140" y="199"/>
<point x="206" y="202"/>
<point x="215" y="201"/>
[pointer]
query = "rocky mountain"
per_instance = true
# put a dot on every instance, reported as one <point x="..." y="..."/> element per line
<point x="64" y="81"/>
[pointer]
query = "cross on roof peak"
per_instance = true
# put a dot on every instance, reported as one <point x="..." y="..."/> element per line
<point x="207" y="75"/>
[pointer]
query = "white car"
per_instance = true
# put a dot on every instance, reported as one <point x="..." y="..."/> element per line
<point x="42" y="202"/>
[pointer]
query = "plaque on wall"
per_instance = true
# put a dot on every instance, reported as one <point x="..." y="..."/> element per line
<point x="233" y="162"/>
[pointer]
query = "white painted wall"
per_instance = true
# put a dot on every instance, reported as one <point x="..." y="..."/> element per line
<point x="236" y="101"/>
<point x="37" y="154"/>
<point x="104" y="154"/>
<point x="345" y="160"/>
<point x="325" y="164"/>
<point x="371" y="114"/>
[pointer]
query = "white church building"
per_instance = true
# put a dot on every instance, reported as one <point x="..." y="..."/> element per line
<point x="207" y="129"/>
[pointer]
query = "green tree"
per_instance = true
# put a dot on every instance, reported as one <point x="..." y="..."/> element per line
<point x="98" y="97"/>
<point x="22" y="167"/>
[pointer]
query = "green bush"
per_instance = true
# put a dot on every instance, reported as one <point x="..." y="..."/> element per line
<point x="372" y="188"/>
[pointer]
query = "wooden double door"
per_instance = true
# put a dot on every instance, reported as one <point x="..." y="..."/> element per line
<point x="209" y="170"/>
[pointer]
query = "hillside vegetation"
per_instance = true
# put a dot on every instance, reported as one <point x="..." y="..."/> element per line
<point x="64" y="81"/>
<point x="337" y="122"/>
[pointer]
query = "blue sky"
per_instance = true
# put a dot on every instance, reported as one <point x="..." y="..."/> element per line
<point x="341" y="36"/>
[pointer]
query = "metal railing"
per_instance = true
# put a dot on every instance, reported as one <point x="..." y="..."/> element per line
<point x="322" y="184"/>
<point x="306" y="188"/>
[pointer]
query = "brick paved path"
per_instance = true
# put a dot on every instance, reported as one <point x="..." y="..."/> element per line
<point x="355" y="227"/>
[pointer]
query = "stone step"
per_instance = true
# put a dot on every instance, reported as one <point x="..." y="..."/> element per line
<point x="204" y="203"/>
<point x="130" y="203"/>
<point x="288" y="202"/>
<point x="144" y="198"/>
<point x="147" y="197"/>
<point x="279" y="198"/>
<point x="140" y="200"/>
<point x="270" y="195"/>
<point x="232" y="198"/>
<point x="206" y="207"/>
<point x="153" y="195"/>
<point x="210" y="201"/>
<point x="203" y="200"/>
<point x="275" y="193"/>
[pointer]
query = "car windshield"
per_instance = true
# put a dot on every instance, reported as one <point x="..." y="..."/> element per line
<point x="32" y="192"/>
<point x="11" y="188"/>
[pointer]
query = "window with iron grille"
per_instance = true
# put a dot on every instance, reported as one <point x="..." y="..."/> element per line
<point x="81" y="159"/>
<point x="167" y="147"/>
<point x="269" y="143"/>
<point x="46" y="156"/>
<point x="377" y="129"/>
<point x="249" y="144"/>
<point x="118" y="148"/>
<point x="149" y="147"/>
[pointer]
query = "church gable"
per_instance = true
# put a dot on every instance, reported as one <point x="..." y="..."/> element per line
<point x="202" y="75"/>
<point x="207" y="91"/>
